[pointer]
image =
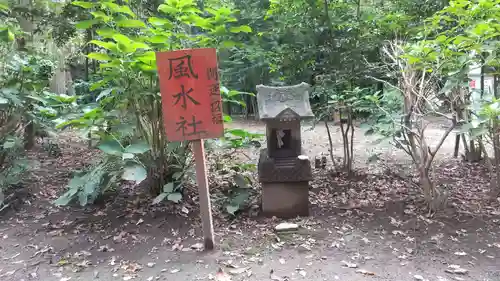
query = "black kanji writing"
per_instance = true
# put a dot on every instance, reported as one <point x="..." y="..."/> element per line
<point x="184" y="127"/>
<point x="184" y="96"/>
<point x="214" y="89"/>
<point x="212" y="73"/>
<point x="180" y="67"/>
<point x="217" y="119"/>
<point x="215" y="106"/>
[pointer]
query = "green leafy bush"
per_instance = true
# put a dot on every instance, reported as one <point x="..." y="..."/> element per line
<point x="128" y="106"/>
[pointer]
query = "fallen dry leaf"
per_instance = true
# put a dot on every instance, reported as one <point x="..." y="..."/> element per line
<point x="197" y="246"/>
<point x="237" y="271"/>
<point x="365" y="272"/>
<point x="222" y="276"/>
<point x="349" y="264"/>
<point x="456" y="269"/>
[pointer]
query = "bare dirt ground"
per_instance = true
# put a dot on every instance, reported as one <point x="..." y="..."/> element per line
<point x="367" y="228"/>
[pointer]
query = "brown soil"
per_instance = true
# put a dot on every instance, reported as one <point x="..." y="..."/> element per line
<point x="373" y="223"/>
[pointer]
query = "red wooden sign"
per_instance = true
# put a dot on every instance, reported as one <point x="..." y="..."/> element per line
<point x="472" y="83"/>
<point x="190" y="94"/>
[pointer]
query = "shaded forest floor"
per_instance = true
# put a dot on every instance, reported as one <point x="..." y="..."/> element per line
<point x="371" y="227"/>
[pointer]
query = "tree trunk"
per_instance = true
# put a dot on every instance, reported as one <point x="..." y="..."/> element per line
<point x="29" y="135"/>
<point x="426" y="185"/>
<point x="330" y="142"/>
<point x="29" y="127"/>
<point x="496" y="145"/>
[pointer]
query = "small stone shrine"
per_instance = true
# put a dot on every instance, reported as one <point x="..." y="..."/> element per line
<point x="283" y="169"/>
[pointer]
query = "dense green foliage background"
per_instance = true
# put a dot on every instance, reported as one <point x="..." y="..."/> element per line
<point x="335" y="45"/>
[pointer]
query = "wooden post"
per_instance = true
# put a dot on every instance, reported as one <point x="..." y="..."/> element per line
<point x="205" y="206"/>
<point x="192" y="111"/>
<point x="457" y="146"/>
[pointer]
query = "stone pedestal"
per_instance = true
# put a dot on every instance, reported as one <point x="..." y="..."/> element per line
<point x="283" y="169"/>
<point x="285" y="200"/>
<point x="285" y="185"/>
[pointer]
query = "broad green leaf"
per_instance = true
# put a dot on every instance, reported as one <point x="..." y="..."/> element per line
<point x="63" y="200"/>
<point x="73" y="123"/>
<point x="242" y="28"/>
<point x="173" y="146"/>
<point x="86" y="24"/>
<point x="168" y="188"/>
<point x="167" y="9"/>
<point x="6" y="35"/>
<point x="126" y="10"/>
<point x="9" y="144"/>
<point x="120" y="38"/>
<point x="111" y="147"/>
<point x="241" y="197"/>
<point x="83" y="198"/>
<point x="232" y="209"/>
<point x="475" y="123"/>
<point x="229" y="44"/>
<point x="4" y="100"/>
<point x="101" y="15"/>
<point x="219" y="30"/>
<point x="104" y="93"/>
<point x="99" y="56"/>
<point x="373" y="158"/>
<point x="113" y="7"/>
<point x="135" y="173"/>
<point x="159" y="198"/>
<point x="238" y="132"/>
<point x="83" y="4"/>
<point x="112" y="64"/>
<point x="160" y="22"/>
<point x="151" y="68"/>
<point x="157" y="39"/>
<point x="63" y="98"/>
<point x="177" y="175"/>
<point x="477" y="132"/>
<point x="201" y="22"/>
<point x="174" y="197"/>
<point x="92" y="112"/>
<point x="481" y="28"/>
<point x="98" y="84"/>
<point x="66" y="198"/>
<point x="105" y="33"/>
<point x="148" y="57"/>
<point x="137" y="148"/>
<point x="240" y="181"/>
<point x="124" y="43"/>
<point x="128" y="23"/>
<point x="126" y="156"/>
<point x="140" y="45"/>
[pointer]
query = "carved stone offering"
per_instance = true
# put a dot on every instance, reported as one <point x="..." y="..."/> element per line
<point x="284" y="170"/>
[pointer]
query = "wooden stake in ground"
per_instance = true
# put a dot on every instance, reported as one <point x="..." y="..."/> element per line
<point x="192" y="111"/>
<point x="205" y="205"/>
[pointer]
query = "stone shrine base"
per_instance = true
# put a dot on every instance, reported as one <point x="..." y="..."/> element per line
<point x="285" y="199"/>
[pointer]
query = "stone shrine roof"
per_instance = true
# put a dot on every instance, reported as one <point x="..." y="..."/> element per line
<point x="289" y="102"/>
